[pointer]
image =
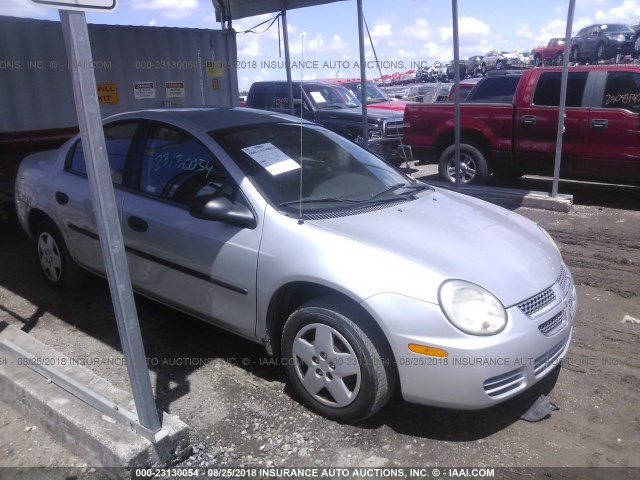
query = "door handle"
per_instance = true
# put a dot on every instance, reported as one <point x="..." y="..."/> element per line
<point x="137" y="224"/>
<point x="529" y="120"/>
<point x="62" y="198"/>
<point x="599" y="124"/>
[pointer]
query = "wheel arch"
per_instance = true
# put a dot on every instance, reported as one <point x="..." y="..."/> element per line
<point x="35" y="217"/>
<point x="291" y="296"/>
<point x="470" y="137"/>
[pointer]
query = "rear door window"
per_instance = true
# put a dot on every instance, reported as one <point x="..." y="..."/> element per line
<point x="548" y="89"/>
<point x="118" y="138"/>
<point x="622" y="90"/>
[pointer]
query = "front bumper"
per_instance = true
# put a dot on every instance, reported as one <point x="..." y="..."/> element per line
<point x="478" y="372"/>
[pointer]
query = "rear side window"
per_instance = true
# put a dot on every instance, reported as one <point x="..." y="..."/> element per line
<point x="622" y="90"/>
<point x="548" y="89"/>
<point x="259" y="96"/>
<point x="118" y="139"/>
<point x="495" y="89"/>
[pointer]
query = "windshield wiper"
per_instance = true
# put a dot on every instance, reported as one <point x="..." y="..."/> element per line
<point x="398" y="186"/>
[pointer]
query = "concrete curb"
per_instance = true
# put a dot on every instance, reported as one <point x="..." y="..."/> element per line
<point x="98" y="438"/>
<point x="510" y="197"/>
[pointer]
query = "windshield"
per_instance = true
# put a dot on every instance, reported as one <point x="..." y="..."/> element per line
<point x="335" y="173"/>
<point x="330" y="96"/>
<point x="616" y="28"/>
<point x="374" y="94"/>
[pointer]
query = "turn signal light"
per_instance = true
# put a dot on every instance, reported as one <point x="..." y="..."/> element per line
<point x="425" y="350"/>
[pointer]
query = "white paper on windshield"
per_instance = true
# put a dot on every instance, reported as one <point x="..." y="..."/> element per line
<point x="318" y="97"/>
<point x="274" y="160"/>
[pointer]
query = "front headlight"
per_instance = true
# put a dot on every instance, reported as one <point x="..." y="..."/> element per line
<point x="471" y="308"/>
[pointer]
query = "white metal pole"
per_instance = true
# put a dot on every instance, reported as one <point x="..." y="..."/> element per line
<point x="74" y="28"/>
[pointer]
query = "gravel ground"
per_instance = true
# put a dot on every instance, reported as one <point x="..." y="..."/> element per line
<point x="242" y="414"/>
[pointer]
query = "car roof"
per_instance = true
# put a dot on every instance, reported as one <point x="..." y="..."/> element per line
<point x="208" y="118"/>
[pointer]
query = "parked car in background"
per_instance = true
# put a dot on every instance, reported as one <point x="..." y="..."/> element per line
<point x="466" y="86"/>
<point x="375" y="96"/>
<point x="551" y="54"/>
<point x="293" y="237"/>
<point x="636" y="39"/>
<point x="474" y="65"/>
<point x="451" y="71"/>
<point x="337" y="109"/>
<point x="497" y="87"/>
<point x="603" y="41"/>
<point x="498" y="60"/>
<point x="518" y="136"/>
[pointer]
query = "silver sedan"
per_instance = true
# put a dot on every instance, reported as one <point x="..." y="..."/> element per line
<point x="362" y="279"/>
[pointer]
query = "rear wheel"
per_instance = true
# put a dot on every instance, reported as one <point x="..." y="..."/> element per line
<point x="60" y="271"/>
<point x="473" y="165"/>
<point x="336" y="363"/>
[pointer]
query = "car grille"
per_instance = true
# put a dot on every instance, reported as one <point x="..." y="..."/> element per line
<point x="537" y="302"/>
<point x="394" y="129"/>
<point x="542" y="363"/>
<point x="550" y="327"/>
<point x="505" y="383"/>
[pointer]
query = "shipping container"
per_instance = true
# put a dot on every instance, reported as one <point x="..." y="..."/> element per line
<point x="135" y="68"/>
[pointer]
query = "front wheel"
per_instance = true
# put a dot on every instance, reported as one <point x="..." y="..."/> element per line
<point x="600" y="52"/>
<point x="60" y="271"/>
<point x="537" y="61"/>
<point x="473" y="165"/>
<point x="575" y="54"/>
<point x="336" y="363"/>
<point x="559" y="59"/>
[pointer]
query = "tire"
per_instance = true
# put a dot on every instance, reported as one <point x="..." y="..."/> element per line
<point x="347" y="374"/>
<point x="537" y="61"/>
<point x="499" y="65"/>
<point x="600" y="52"/>
<point x="483" y="69"/>
<point x="575" y="54"/>
<point x="473" y="165"/>
<point x="559" y="59"/>
<point x="59" y="270"/>
<point x="636" y="46"/>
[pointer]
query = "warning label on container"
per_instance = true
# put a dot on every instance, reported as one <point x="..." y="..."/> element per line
<point x="174" y="89"/>
<point x="107" y="93"/>
<point x="144" y="90"/>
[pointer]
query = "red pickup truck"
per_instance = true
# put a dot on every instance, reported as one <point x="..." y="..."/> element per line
<point x="552" y="54"/>
<point x="601" y="139"/>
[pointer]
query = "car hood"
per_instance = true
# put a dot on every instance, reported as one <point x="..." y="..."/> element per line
<point x="396" y="105"/>
<point x="375" y="116"/>
<point x="452" y="235"/>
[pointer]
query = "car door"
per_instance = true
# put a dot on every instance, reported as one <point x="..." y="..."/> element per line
<point x="74" y="198"/>
<point x="613" y="139"/>
<point x="203" y="267"/>
<point x="535" y="124"/>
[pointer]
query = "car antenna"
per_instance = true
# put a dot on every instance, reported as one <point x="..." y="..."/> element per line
<point x="301" y="218"/>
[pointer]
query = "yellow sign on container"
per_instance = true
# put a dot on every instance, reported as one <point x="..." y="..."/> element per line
<point x="107" y="93"/>
<point x="215" y="69"/>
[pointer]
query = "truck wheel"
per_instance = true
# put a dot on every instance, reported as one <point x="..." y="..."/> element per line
<point x="473" y="165"/>
<point x="537" y="61"/>
<point x="335" y="363"/>
<point x="483" y="69"/>
<point x="60" y="271"/>
<point x="636" y="46"/>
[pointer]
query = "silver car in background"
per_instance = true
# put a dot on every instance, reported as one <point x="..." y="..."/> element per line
<point x="361" y="278"/>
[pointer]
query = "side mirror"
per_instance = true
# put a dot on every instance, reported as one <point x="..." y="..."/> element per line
<point x="221" y="209"/>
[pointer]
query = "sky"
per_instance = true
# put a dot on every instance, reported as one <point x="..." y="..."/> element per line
<point x="405" y="33"/>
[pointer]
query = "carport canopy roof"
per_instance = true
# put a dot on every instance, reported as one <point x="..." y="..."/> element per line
<point x="235" y="9"/>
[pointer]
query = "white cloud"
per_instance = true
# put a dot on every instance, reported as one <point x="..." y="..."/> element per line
<point x="470" y="29"/>
<point x="523" y="31"/>
<point x="382" y="31"/>
<point x="622" y="13"/>
<point x="172" y="9"/>
<point x="419" y="29"/>
<point x="152" y="23"/>
<point x="22" y="8"/>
